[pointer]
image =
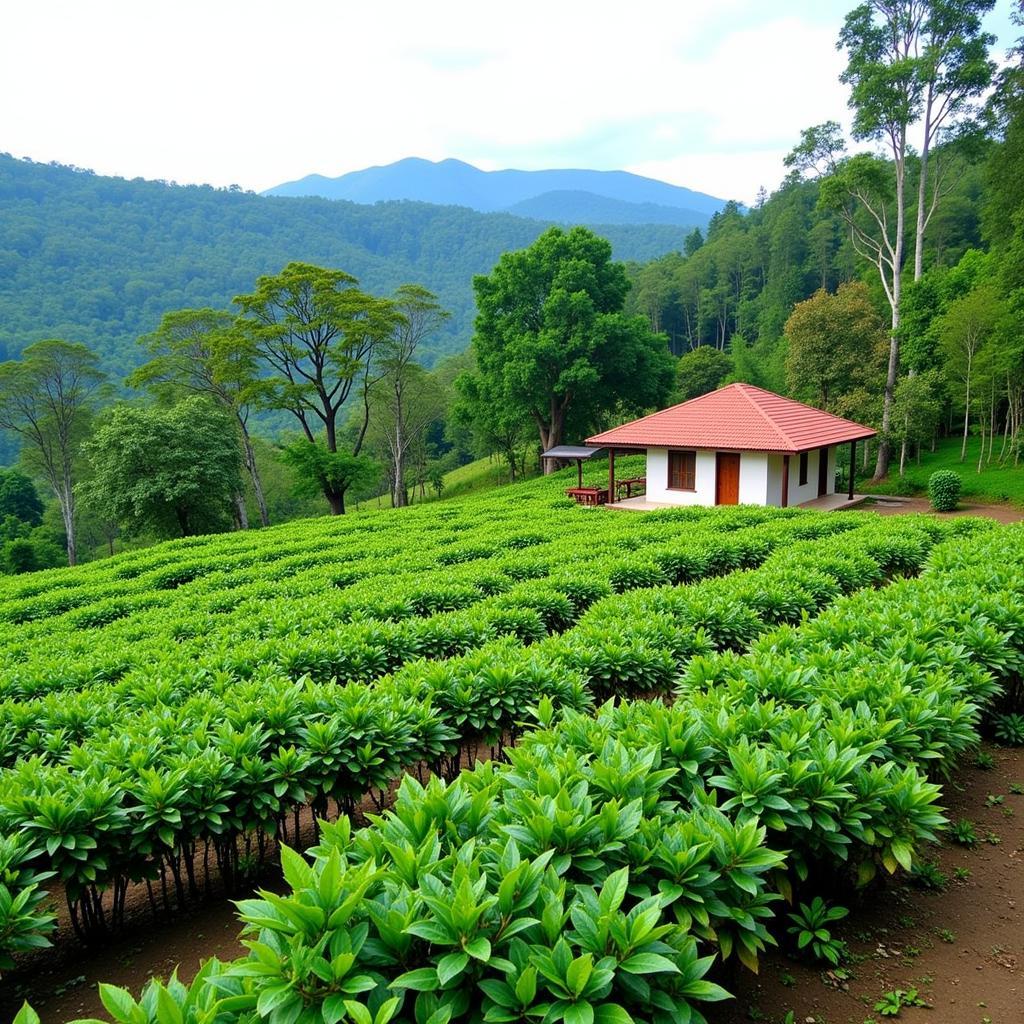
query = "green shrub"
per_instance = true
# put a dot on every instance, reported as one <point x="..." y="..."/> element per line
<point x="944" y="487"/>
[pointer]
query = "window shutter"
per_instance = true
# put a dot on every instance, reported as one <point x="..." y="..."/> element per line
<point x="682" y="471"/>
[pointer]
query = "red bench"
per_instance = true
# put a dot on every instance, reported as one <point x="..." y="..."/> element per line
<point x="588" y="495"/>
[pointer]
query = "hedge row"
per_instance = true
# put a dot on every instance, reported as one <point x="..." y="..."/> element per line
<point x="596" y="875"/>
<point x="175" y="790"/>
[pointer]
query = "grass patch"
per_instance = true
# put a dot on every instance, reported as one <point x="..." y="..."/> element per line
<point x="995" y="482"/>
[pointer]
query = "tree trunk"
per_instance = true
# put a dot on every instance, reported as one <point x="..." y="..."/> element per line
<point x="399" y="497"/>
<point x="249" y="456"/>
<point x="967" y="413"/>
<point x="922" y="185"/>
<point x="66" y="500"/>
<point x="241" y="512"/>
<point x="552" y="434"/>
<point x="336" y="499"/>
<point x="884" y="442"/>
<point x="895" y="290"/>
<point x="67" y="510"/>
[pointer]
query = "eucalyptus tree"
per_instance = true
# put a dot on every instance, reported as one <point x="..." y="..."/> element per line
<point x="199" y="350"/>
<point x="46" y="398"/>
<point x="313" y="335"/>
<point x="911" y="64"/>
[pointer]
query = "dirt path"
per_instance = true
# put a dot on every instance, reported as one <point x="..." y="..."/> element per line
<point x="1000" y="512"/>
<point x="962" y="948"/>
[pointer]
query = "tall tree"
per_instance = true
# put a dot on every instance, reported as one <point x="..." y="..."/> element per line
<point x="198" y="350"/>
<point x="46" y="398"/>
<point x="18" y="498"/>
<point x="406" y="400"/>
<point x="833" y="344"/>
<point x="315" y="333"/>
<point x="701" y="371"/>
<point x="953" y="69"/>
<point x="552" y="339"/>
<point x="966" y="326"/>
<point x="496" y="425"/>
<point x="173" y="472"/>
<point x="909" y="63"/>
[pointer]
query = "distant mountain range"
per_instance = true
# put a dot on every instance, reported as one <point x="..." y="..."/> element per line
<point x="566" y="196"/>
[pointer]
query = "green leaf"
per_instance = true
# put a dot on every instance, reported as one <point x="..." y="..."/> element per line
<point x="648" y="963"/>
<point x="334" y="1009"/>
<point x="297" y="873"/>
<point x="611" y="1013"/>
<point x="273" y="997"/>
<point x="451" y="966"/>
<point x="578" y="1013"/>
<point x="359" y="1013"/>
<point x="26" y="1015"/>
<point x="118" y="1002"/>
<point x="479" y="948"/>
<point x="423" y="979"/>
<point x="167" y="1009"/>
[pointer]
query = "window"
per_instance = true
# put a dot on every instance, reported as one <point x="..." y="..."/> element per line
<point x="803" y="468"/>
<point x="682" y="471"/>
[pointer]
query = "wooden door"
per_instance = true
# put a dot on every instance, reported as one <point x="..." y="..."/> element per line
<point x="822" y="471"/>
<point x="727" y="478"/>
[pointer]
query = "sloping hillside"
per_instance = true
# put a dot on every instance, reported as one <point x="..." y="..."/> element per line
<point x="99" y="259"/>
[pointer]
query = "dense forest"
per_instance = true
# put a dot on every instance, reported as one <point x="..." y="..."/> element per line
<point x="736" y="286"/>
<point x="99" y="259"/>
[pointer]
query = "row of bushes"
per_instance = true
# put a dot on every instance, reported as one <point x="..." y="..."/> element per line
<point x="175" y="790"/>
<point x="595" y="877"/>
<point x="98" y="629"/>
<point x="314" y="640"/>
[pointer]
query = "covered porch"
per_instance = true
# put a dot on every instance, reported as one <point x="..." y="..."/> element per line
<point x="615" y="492"/>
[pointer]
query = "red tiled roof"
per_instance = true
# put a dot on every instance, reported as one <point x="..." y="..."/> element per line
<point x="738" y="416"/>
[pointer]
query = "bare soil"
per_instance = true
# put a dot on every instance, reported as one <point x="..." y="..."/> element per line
<point x="962" y="947"/>
<point x="1001" y="512"/>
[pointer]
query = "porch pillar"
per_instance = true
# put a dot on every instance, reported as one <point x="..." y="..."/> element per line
<point x="579" y="472"/>
<point x="611" y="475"/>
<point x="785" y="481"/>
<point x="853" y="466"/>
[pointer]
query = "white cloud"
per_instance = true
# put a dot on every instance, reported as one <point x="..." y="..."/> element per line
<point x="709" y="93"/>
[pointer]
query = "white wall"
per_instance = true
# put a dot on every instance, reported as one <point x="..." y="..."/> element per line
<point x="760" y="478"/>
<point x="753" y="478"/>
<point x="774" y="490"/>
<point x="657" y="479"/>
<point x="797" y="494"/>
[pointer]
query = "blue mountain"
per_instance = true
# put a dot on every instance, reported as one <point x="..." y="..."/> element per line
<point x="608" y="197"/>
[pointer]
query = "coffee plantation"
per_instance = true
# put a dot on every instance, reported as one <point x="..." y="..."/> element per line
<point x="607" y="750"/>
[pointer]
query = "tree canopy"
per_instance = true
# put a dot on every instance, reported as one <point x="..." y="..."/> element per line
<point x="552" y="338"/>
<point x="165" y="471"/>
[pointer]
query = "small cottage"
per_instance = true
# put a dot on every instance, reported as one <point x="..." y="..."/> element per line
<point x="737" y="445"/>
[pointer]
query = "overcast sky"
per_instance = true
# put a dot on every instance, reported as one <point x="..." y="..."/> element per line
<point x="710" y="94"/>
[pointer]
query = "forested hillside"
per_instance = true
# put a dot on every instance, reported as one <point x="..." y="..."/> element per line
<point x="741" y="281"/>
<point x="98" y="259"/>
